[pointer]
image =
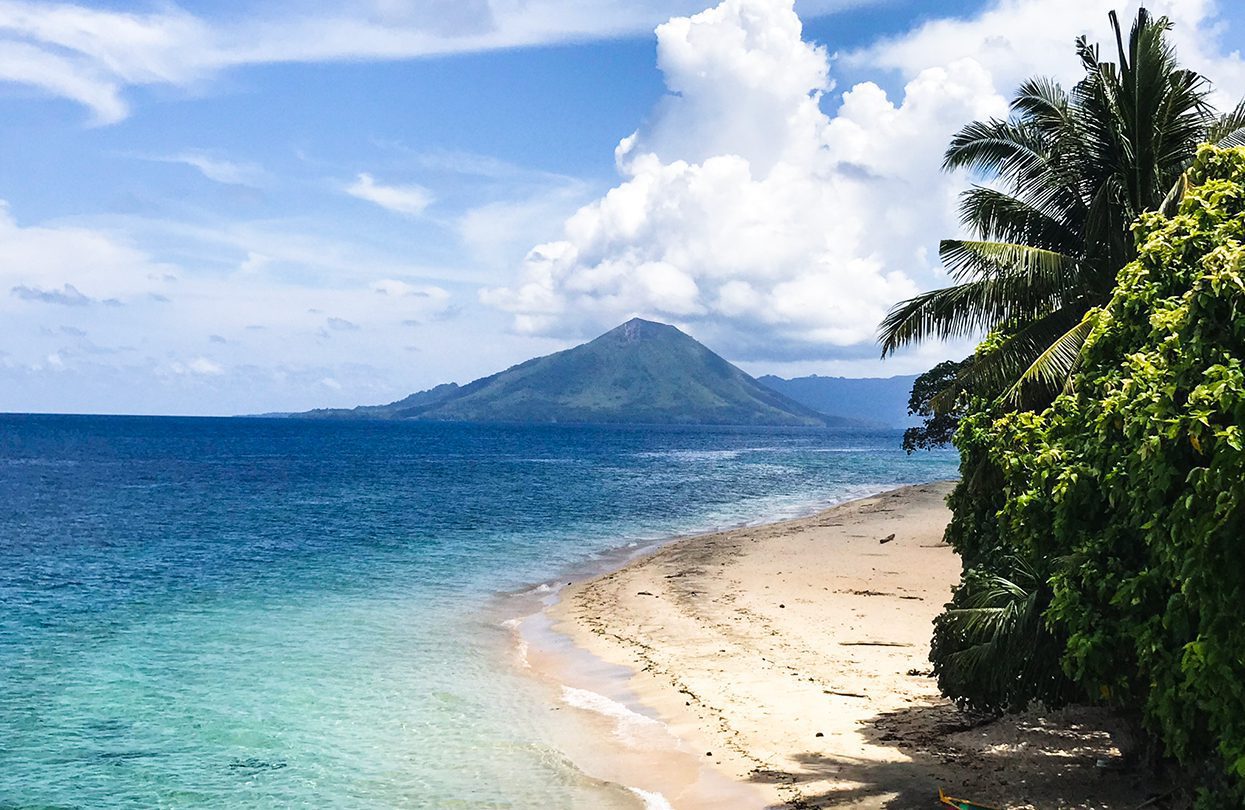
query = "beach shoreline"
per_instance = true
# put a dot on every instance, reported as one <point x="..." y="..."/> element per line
<point x="786" y="665"/>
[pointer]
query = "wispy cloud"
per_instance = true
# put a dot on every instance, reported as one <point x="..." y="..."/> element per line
<point x="217" y="169"/>
<point x="313" y="251"/>
<point x="63" y="77"/>
<point x="408" y="200"/>
<point x="91" y="56"/>
<point x="499" y="233"/>
<point x="472" y="164"/>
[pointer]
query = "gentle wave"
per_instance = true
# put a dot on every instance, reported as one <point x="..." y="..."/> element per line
<point x="697" y="455"/>
<point x="652" y="800"/>
<point x="515" y="626"/>
<point x="627" y="722"/>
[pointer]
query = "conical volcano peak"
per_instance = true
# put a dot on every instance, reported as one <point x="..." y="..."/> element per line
<point x="638" y="329"/>
<point x="641" y="372"/>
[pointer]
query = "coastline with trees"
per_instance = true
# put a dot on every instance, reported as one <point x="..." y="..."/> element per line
<point x="1092" y="653"/>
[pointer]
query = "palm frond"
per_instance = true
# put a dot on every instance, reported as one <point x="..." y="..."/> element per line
<point x="973" y="307"/>
<point x="957" y="311"/>
<point x="995" y="215"/>
<point x="995" y="147"/>
<point x="993" y="372"/>
<point x="1034" y="271"/>
<point x="1042" y="101"/>
<point x="1229" y="129"/>
<point x="993" y="641"/>
<point x="1051" y="371"/>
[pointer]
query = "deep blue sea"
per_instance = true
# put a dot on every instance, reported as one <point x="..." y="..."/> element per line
<point x="262" y="613"/>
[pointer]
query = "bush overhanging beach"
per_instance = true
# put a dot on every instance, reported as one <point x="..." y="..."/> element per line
<point x="1100" y="511"/>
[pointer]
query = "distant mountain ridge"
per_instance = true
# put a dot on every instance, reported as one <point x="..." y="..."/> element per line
<point x="881" y="401"/>
<point x="641" y="372"/>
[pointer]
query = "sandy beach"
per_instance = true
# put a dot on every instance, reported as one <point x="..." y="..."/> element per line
<point x="786" y="665"/>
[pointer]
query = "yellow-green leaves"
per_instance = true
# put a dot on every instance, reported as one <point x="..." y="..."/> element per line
<point x="1129" y="492"/>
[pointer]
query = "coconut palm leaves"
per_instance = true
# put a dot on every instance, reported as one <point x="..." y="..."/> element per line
<point x="992" y="647"/>
<point x="1070" y="171"/>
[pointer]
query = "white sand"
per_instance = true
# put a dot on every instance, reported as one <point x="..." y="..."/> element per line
<point x="793" y="658"/>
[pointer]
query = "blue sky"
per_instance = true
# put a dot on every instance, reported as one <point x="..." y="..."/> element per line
<point x="208" y="211"/>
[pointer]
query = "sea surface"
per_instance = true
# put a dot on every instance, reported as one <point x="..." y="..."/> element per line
<point x="265" y="613"/>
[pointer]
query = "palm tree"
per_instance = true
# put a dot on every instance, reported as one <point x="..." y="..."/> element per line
<point x="1076" y="169"/>
<point x="1071" y="171"/>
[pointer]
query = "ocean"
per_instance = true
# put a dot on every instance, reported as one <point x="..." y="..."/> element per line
<point x="265" y="613"/>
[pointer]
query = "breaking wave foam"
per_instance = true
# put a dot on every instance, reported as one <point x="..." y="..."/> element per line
<point x="626" y="721"/>
<point x="652" y="800"/>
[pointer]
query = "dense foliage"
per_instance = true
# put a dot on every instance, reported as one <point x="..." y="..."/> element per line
<point x="1123" y="504"/>
<point x="1100" y="513"/>
<point x="992" y="649"/>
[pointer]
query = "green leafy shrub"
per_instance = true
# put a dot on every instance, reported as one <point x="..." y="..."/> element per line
<point x="992" y="649"/>
<point x="1147" y="476"/>
<point x="1130" y="490"/>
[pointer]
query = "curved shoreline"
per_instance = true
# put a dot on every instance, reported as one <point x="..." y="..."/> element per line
<point x="785" y="665"/>
<point x="596" y="637"/>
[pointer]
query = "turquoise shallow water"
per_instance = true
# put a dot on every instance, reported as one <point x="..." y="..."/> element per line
<point x="280" y="613"/>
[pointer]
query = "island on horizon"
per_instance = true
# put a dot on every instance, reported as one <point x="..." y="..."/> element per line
<point x="645" y="372"/>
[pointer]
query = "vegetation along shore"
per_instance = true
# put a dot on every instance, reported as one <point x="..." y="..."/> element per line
<point x="1099" y="512"/>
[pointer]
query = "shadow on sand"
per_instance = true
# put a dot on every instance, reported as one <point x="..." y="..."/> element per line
<point x="1063" y="759"/>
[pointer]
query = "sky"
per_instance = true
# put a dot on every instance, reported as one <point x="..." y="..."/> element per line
<point x="220" y="207"/>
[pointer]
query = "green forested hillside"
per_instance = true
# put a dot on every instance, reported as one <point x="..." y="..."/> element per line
<point x="640" y="372"/>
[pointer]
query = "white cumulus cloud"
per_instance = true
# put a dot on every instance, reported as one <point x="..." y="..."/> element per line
<point x="748" y="211"/>
<point x="783" y="233"/>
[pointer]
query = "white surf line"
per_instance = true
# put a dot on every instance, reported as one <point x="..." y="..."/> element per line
<point x="652" y="800"/>
<point x="515" y="626"/>
<point x="626" y="721"/>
